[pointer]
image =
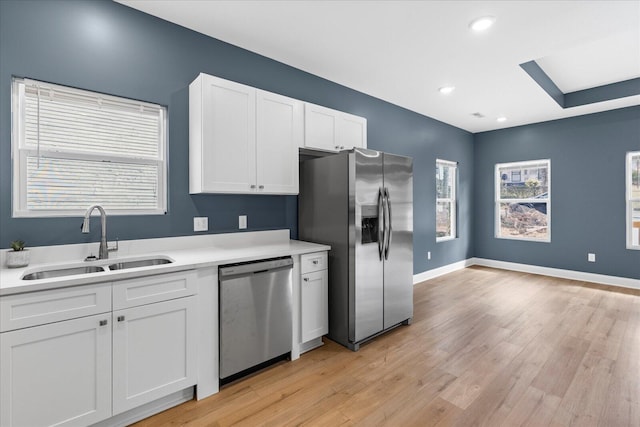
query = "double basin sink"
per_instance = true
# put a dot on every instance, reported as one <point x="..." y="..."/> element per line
<point x="86" y="269"/>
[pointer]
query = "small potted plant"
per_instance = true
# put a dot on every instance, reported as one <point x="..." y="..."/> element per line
<point x="18" y="256"/>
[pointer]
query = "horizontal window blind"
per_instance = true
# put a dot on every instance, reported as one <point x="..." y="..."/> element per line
<point x="78" y="148"/>
<point x="68" y="184"/>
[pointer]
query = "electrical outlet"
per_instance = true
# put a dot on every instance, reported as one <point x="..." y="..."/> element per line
<point x="200" y="223"/>
<point x="591" y="257"/>
<point x="429" y="255"/>
<point x="242" y="222"/>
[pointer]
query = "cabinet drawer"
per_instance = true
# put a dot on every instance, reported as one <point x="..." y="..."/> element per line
<point x="313" y="262"/>
<point x="38" y="308"/>
<point x="150" y="289"/>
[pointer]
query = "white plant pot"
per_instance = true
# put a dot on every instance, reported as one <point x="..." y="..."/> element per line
<point x="17" y="259"/>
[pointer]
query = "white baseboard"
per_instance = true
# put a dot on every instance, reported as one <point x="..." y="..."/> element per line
<point x="603" y="279"/>
<point x="449" y="268"/>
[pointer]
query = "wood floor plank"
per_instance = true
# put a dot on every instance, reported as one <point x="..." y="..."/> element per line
<point x="487" y="347"/>
<point x="535" y="408"/>
<point x="584" y="401"/>
<point x="557" y="374"/>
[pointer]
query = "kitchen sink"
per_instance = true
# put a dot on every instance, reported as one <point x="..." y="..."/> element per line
<point x="139" y="263"/>
<point x="47" y="274"/>
<point x="103" y="267"/>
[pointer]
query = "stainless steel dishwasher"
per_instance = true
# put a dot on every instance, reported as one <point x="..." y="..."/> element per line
<point x="255" y="314"/>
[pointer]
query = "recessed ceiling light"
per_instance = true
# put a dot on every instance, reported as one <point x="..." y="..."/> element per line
<point x="445" y="90"/>
<point x="482" y="23"/>
<point x="501" y="119"/>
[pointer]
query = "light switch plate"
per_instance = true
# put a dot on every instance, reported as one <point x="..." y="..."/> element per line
<point x="591" y="257"/>
<point x="242" y="222"/>
<point x="200" y="223"/>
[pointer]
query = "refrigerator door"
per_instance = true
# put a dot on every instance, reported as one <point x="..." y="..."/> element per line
<point x="398" y="264"/>
<point x="366" y="288"/>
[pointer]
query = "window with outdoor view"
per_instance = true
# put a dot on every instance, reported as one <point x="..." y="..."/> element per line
<point x="633" y="200"/>
<point x="74" y="148"/>
<point x="523" y="200"/>
<point x="445" y="200"/>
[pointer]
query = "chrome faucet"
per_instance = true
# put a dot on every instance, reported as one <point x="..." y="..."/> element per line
<point x="103" y="253"/>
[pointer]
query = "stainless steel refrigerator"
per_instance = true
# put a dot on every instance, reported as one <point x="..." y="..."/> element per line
<point x="361" y="203"/>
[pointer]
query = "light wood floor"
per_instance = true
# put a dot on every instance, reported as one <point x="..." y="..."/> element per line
<point x="487" y="347"/>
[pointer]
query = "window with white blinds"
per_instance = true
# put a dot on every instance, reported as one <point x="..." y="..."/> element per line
<point x="74" y="148"/>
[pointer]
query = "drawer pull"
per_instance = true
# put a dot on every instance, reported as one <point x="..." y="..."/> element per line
<point x="306" y="279"/>
<point x="120" y="318"/>
<point x="315" y="262"/>
<point x="103" y="323"/>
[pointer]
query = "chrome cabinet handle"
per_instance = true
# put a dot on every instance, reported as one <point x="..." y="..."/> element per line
<point x="306" y="279"/>
<point x="103" y="323"/>
<point x="261" y="187"/>
<point x="315" y="262"/>
<point x="253" y="186"/>
<point x="120" y="318"/>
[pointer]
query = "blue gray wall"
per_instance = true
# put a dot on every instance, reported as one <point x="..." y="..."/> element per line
<point x="587" y="191"/>
<point x="106" y="47"/>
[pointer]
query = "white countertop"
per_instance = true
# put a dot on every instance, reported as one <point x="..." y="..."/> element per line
<point x="205" y="251"/>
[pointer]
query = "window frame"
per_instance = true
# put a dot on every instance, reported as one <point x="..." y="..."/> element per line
<point x="498" y="201"/>
<point x="453" y="200"/>
<point x="630" y="200"/>
<point x="20" y="151"/>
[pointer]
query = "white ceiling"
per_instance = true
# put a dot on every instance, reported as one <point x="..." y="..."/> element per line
<point x="403" y="51"/>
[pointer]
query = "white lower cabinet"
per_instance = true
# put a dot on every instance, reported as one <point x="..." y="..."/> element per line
<point x="314" y="296"/>
<point x="314" y="292"/>
<point x="154" y="352"/>
<point x="56" y="374"/>
<point x="76" y="371"/>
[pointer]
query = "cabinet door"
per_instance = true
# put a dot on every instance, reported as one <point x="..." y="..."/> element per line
<point x="228" y="136"/>
<point x="154" y="352"/>
<point x="320" y="128"/>
<point x="56" y="374"/>
<point x="314" y="309"/>
<point x="280" y="131"/>
<point x="351" y="132"/>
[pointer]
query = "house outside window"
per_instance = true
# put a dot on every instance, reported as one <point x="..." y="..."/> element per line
<point x="523" y="205"/>
<point x="633" y="200"/>
<point x="74" y="148"/>
<point x="446" y="180"/>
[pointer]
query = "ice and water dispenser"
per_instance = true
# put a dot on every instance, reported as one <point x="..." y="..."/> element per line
<point x="369" y="223"/>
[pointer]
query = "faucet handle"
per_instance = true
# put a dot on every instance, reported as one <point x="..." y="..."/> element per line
<point x="112" y="248"/>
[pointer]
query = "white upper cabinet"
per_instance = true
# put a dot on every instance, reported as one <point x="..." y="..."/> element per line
<point x="241" y="139"/>
<point x="332" y="130"/>
<point x="280" y="130"/>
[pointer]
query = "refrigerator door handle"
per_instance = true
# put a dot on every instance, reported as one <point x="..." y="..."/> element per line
<point x="389" y="229"/>
<point x="381" y="223"/>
